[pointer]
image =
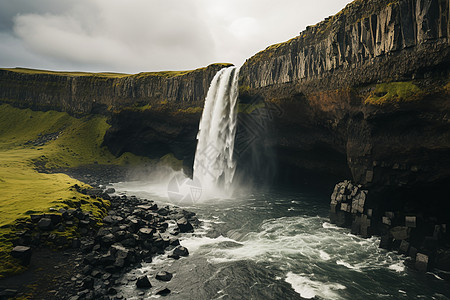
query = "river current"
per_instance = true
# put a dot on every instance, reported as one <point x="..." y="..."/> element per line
<point x="276" y="244"/>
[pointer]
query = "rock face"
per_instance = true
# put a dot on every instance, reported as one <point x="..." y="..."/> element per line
<point x="364" y="92"/>
<point x="85" y="93"/>
<point x="367" y="41"/>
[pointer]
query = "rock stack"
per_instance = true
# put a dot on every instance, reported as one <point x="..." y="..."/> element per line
<point x="419" y="237"/>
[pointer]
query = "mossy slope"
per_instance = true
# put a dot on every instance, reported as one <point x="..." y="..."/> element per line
<point x="45" y="141"/>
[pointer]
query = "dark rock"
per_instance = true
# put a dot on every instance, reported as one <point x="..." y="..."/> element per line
<point x="108" y="239"/>
<point x="56" y="219"/>
<point x="421" y="262"/>
<point x="146" y="233"/>
<point x="36" y="218"/>
<point x="164" y="211"/>
<point x="23" y="253"/>
<point x="163" y="292"/>
<point x="110" y="191"/>
<point x="164" y="276"/>
<point x="404" y="247"/>
<point x="76" y="243"/>
<point x="410" y="221"/>
<point x="45" y="224"/>
<point x="88" y="283"/>
<point x="400" y="232"/>
<point x="386" y="242"/>
<point x="180" y="251"/>
<point x="143" y="282"/>
<point x="184" y="225"/>
<point x="111" y="291"/>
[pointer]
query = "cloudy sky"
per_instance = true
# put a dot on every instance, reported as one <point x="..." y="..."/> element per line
<point x="148" y="35"/>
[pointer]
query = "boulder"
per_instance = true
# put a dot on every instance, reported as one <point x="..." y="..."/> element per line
<point x="143" y="282"/>
<point x="180" y="251"/>
<point x="45" y="224"/>
<point x="23" y="253"/>
<point x="421" y="262"/>
<point x="400" y="232"/>
<point x="164" y="276"/>
<point x="163" y="292"/>
<point x="110" y="191"/>
<point x="184" y="225"/>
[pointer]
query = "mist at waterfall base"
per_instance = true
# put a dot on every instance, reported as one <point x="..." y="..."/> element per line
<point x="267" y="243"/>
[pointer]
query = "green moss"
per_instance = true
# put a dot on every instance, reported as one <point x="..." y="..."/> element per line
<point x="24" y="189"/>
<point x="393" y="92"/>
<point x="72" y="74"/>
<point x="191" y="110"/>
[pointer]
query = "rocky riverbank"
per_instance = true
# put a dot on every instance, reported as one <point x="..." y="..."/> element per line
<point x="419" y="233"/>
<point x="91" y="266"/>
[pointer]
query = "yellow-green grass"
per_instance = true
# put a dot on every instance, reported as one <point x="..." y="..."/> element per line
<point x="394" y="92"/>
<point x="165" y="74"/>
<point x="24" y="190"/>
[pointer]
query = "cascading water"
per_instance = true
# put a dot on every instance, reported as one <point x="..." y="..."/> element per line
<point x="214" y="165"/>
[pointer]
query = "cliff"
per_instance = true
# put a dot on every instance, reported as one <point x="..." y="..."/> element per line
<point x="365" y="91"/>
<point x="83" y="93"/>
<point x="365" y="95"/>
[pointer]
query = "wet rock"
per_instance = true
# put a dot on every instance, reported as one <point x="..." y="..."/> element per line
<point x="110" y="191"/>
<point x="146" y="233"/>
<point x="404" y="247"/>
<point x="45" y="224"/>
<point x="88" y="283"/>
<point x="386" y="242"/>
<point x="23" y="253"/>
<point x="163" y="292"/>
<point x="410" y="221"/>
<point x="184" y="225"/>
<point x="164" y="276"/>
<point x="108" y="239"/>
<point x="400" y="232"/>
<point x="180" y="251"/>
<point x="143" y="282"/>
<point x="421" y="262"/>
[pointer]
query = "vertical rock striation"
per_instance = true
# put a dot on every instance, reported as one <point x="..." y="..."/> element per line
<point x="84" y="93"/>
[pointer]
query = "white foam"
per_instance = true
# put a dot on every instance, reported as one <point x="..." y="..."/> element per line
<point x="194" y="243"/>
<point x="327" y="225"/>
<point x="324" y="255"/>
<point x="398" y="267"/>
<point x="309" y="289"/>
<point x="347" y="265"/>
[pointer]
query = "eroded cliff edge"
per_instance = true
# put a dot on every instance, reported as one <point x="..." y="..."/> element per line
<point x="371" y="84"/>
<point x="367" y="92"/>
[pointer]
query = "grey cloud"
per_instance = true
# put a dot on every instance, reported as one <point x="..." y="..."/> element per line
<point x="144" y="35"/>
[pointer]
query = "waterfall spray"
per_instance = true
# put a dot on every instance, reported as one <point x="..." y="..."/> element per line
<point x="214" y="164"/>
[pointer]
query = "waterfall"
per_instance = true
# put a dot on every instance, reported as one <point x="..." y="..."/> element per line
<point x="214" y="164"/>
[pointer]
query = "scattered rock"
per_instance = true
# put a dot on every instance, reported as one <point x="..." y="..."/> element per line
<point x="421" y="262"/>
<point x="110" y="191"/>
<point x="164" y="276"/>
<point x="184" y="225"/>
<point x="143" y="282"/>
<point x="45" y="224"/>
<point x="163" y="292"/>
<point x="180" y="251"/>
<point x="23" y="253"/>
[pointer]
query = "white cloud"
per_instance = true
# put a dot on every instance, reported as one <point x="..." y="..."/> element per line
<point x="143" y="35"/>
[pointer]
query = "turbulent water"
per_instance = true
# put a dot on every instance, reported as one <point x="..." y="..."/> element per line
<point x="278" y="245"/>
<point x="214" y="165"/>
